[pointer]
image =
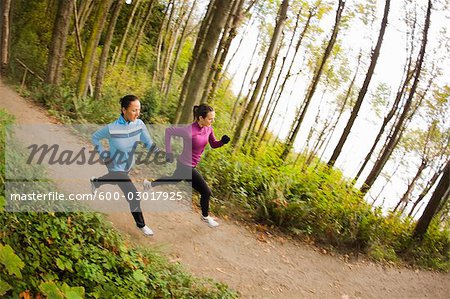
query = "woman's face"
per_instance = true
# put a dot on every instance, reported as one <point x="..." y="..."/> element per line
<point x="133" y="111"/>
<point x="208" y="120"/>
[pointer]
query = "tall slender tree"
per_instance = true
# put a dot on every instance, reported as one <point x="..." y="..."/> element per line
<point x="105" y="51"/>
<point x="440" y="194"/>
<point x="118" y="54"/>
<point x="204" y="60"/>
<point x="91" y="47"/>
<point x="249" y="109"/>
<point x="58" y="45"/>
<point x="315" y="81"/>
<point x="399" y="126"/>
<point x="6" y="9"/>
<point x="138" y="38"/>
<point x="179" y="48"/>
<point x="205" y="24"/>
<point x="362" y="93"/>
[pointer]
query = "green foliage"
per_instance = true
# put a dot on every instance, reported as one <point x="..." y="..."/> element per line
<point x="31" y="31"/>
<point x="12" y="262"/>
<point x="52" y="290"/>
<point x="151" y="105"/>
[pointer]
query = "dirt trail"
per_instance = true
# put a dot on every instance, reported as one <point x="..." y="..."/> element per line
<point x="258" y="265"/>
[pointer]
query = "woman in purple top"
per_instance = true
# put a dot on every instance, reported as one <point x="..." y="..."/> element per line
<point x="198" y="134"/>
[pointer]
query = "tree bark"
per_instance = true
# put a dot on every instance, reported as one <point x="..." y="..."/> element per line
<point x="440" y="194"/>
<point x="230" y="32"/>
<point x="105" y="51"/>
<point x="315" y="81"/>
<point x="125" y="34"/>
<point x="86" y="7"/>
<point x="362" y="93"/>
<point x="89" y="57"/>
<point x="205" y="24"/>
<point x="6" y="9"/>
<point x="204" y="59"/>
<point x="282" y="15"/>
<point x="140" y="33"/>
<point x="178" y="49"/>
<point x="275" y="85"/>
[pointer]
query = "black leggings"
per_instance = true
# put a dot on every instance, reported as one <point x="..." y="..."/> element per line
<point x="189" y="174"/>
<point x="121" y="179"/>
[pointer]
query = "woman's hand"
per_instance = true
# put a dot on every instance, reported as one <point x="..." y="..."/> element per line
<point x="225" y="139"/>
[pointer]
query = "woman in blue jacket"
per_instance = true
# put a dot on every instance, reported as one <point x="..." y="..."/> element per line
<point x="123" y="136"/>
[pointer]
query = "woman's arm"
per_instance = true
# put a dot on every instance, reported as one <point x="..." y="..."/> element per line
<point x="213" y="141"/>
<point x="146" y="139"/>
<point x="175" y="131"/>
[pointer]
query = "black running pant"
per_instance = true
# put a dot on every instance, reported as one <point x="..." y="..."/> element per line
<point x="121" y="179"/>
<point x="189" y="174"/>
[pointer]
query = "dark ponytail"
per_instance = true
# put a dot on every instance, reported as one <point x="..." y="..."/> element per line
<point x="126" y="101"/>
<point x="201" y="110"/>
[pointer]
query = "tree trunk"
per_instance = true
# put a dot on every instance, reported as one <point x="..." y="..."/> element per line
<point x="105" y="51"/>
<point x="362" y="93"/>
<point x="86" y="7"/>
<point x="159" y="43"/>
<point x="220" y="72"/>
<point x="347" y="96"/>
<point x="427" y="189"/>
<point x="315" y="81"/>
<point x="140" y="34"/>
<point x="272" y="95"/>
<point x="440" y="193"/>
<point x="379" y="164"/>
<point x="125" y="34"/>
<point x="204" y="60"/>
<point x="230" y="30"/>
<point x="265" y="125"/>
<point x="179" y="48"/>
<point x="6" y="9"/>
<point x="174" y="44"/>
<point x="91" y="47"/>
<point x="167" y="41"/>
<point x="255" y="116"/>
<point x="238" y="97"/>
<point x="206" y="22"/>
<point x="386" y="120"/>
<point x="282" y="15"/>
<point x="406" y="196"/>
<point x="58" y="45"/>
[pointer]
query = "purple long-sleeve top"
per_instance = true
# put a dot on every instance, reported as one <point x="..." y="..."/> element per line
<point x="193" y="135"/>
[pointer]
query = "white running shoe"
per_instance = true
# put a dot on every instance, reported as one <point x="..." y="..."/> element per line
<point x="146" y="230"/>
<point x="93" y="187"/>
<point x="147" y="185"/>
<point x="210" y="221"/>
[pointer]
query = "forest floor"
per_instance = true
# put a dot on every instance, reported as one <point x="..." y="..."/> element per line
<point x="250" y="259"/>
